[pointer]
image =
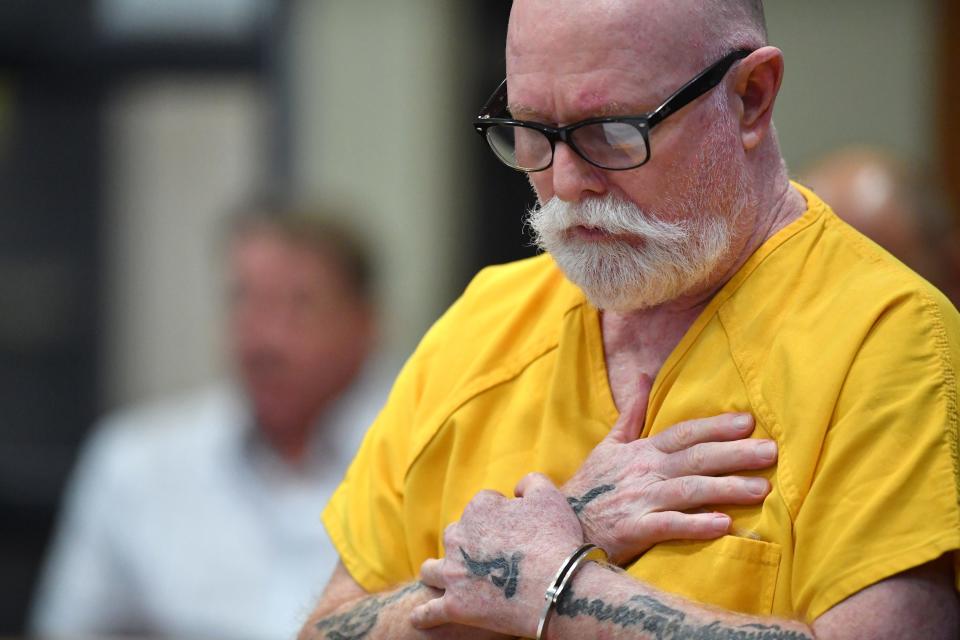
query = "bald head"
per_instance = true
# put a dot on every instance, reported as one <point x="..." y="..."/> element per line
<point x="659" y="31"/>
<point x="744" y="16"/>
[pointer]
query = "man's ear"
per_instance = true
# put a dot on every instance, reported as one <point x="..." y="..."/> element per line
<point x="757" y="83"/>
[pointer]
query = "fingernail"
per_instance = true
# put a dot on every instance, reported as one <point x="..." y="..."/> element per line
<point x="757" y="486"/>
<point x="767" y="450"/>
<point x="743" y="421"/>
<point x="720" y="522"/>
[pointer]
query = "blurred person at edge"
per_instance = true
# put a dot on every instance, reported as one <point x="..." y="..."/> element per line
<point x="896" y="206"/>
<point x="746" y="404"/>
<point x="196" y="517"/>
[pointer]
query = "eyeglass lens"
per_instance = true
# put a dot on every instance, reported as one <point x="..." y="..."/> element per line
<point x="611" y="145"/>
<point x="520" y="147"/>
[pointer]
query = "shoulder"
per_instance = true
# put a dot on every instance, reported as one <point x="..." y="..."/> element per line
<point x="508" y="316"/>
<point x="828" y="324"/>
<point x="508" y="308"/>
<point x="825" y="283"/>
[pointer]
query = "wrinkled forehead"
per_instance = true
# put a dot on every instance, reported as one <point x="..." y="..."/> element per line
<point x="633" y="50"/>
<point x="653" y="30"/>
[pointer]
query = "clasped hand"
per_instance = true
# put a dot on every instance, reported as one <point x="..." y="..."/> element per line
<point x="500" y="556"/>
<point x="632" y="493"/>
<point x="629" y="494"/>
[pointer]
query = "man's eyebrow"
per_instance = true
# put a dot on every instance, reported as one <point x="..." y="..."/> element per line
<point x="522" y="111"/>
<point x="525" y="112"/>
<point x="620" y="109"/>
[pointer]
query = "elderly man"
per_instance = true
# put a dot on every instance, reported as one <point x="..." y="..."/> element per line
<point x="678" y="253"/>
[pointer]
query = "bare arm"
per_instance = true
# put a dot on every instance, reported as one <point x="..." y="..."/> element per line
<point x="917" y="604"/>
<point x="920" y="603"/>
<point x="603" y="603"/>
<point x="347" y="612"/>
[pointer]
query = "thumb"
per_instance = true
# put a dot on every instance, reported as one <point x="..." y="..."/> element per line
<point x="630" y="424"/>
<point x="430" y="614"/>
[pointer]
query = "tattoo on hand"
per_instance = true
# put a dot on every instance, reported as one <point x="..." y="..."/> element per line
<point x="360" y="620"/>
<point x="664" y="622"/>
<point x="579" y="503"/>
<point x="503" y="573"/>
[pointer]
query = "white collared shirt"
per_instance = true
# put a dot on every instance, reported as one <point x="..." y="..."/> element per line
<point x="180" y="521"/>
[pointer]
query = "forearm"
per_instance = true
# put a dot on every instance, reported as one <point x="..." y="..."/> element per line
<point x="601" y="602"/>
<point x="385" y="616"/>
<point x="380" y="615"/>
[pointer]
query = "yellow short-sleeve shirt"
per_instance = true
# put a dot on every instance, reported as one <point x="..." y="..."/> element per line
<point x="845" y="357"/>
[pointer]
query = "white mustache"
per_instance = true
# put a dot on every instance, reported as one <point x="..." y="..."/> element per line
<point x="609" y="214"/>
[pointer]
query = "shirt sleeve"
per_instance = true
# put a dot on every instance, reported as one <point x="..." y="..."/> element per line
<point x="884" y="497"/>
<point x="506" y="316"/>
<point x="365" y="516"/>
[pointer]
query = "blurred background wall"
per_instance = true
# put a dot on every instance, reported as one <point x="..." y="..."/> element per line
<point x="129" y="128"/>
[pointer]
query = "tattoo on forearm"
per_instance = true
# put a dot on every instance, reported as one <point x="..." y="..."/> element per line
<point x="663" y="622"/>
<point x="361" y="619"/>
<point x="504" y="573"/>
<point x="579" y="503"/>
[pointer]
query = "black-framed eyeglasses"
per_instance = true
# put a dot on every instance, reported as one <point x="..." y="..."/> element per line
<point x="616" y="143"/>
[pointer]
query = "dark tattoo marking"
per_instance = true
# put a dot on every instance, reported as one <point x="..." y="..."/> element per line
<point x="664" y="622"/>
<point x="503" y="573"/>
<point x="359" y="621"/>
<point x="579" y="503"/>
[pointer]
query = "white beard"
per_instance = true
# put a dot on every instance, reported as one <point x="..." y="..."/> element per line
<point x="644" y="261"/>
<point x="647" y="258"/>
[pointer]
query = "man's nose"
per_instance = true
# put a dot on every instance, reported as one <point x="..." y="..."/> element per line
<point x="573" y="177"/>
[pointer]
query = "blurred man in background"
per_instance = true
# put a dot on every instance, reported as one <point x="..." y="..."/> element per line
<point x="892" y="203"/>
<point x="197" y="517"/>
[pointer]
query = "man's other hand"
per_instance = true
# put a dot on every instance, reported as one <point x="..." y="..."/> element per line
<point x="500" y="557"/>
<point x="632" y="493"/>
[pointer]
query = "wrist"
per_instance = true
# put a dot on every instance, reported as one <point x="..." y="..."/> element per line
<point x="581" y="503"/>
<point x="583" y="555"/>
<point x="592" y="580"/>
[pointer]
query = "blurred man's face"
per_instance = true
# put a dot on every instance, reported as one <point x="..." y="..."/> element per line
<point x="298" y="332"/>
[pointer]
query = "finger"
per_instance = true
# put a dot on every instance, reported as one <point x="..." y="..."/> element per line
<point x="714" y="458"/>
<point x="661" y="526"/>
<point x="431" y="574"/>
<point x="536" y="484"/>
<point x="722" y="428"/>
<point x="448" y="532"/>
<point x="690" y="492"/>
<point x="432" y="613"/>
<point x="630" y="424"/>
<point x="540" y="487"/>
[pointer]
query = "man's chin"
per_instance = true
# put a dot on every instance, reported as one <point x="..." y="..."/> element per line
<point x="617" y="299"/>
<point x="621" y="302"/>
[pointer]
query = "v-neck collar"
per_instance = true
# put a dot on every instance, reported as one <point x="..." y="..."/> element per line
<point x="592" y="318"/>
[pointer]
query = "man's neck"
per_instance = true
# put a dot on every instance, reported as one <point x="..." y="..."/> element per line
<point x="294" y="442"/>
<point x="640" y="341"/>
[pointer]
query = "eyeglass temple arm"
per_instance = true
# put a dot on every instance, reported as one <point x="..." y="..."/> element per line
<point x="496" y="103"/>
<point x="696" y="87"/>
